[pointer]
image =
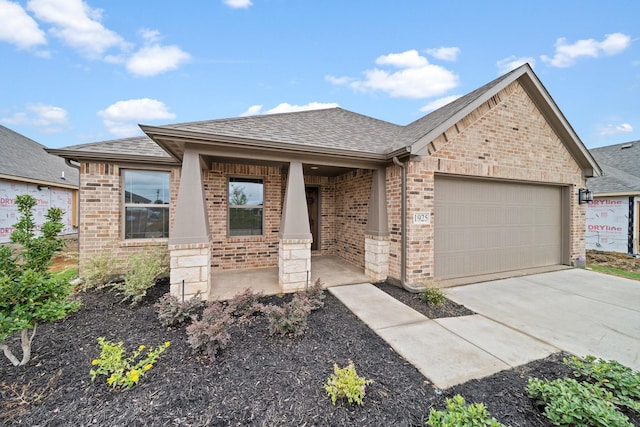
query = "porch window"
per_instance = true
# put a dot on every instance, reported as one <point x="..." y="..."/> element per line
<point x="146" y="204"/>
<point x="246" y="200"/>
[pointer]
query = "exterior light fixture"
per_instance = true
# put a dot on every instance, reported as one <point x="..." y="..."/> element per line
<point x="584" y="196"/>
<point x="43" y="187"/>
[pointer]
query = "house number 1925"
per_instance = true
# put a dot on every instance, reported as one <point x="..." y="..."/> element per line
<point x="422" y="218"/>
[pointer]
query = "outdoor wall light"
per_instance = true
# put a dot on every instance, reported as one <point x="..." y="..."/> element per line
<point x="584" y="196"/>
<point x="43" y="187"/>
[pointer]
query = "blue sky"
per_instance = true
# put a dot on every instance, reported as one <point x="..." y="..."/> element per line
<point x="82" y="71"/>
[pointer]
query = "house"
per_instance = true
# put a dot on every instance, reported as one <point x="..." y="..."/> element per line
<point x="26" y="168"/>
<point x="485" y="186"/>
<point x="613" y="218"/>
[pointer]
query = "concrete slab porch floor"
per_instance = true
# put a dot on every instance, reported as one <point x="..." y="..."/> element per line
<point x="332" y="271"/>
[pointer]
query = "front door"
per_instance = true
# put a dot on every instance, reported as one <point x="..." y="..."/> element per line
<point x="312" y="207"/>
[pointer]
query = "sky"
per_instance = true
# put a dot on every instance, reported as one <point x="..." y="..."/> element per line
<point x="73" y="71"/>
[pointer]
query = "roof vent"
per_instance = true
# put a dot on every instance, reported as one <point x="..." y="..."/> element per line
<point x="623" y="146"/>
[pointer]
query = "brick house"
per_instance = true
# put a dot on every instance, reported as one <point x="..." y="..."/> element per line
<point x="482" y="187"/>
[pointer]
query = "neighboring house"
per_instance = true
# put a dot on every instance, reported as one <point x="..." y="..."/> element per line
<point x="613" y="218"/>
<point x="26" y="168"/>
<point x="486" y="185"/>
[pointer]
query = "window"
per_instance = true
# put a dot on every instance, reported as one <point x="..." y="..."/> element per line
<point x="245" y="206"/>
<point x="146" y="204"/>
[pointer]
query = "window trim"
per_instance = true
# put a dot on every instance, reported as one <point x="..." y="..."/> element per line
<point x="229" y="206"/>
<point x="124" y="205"/>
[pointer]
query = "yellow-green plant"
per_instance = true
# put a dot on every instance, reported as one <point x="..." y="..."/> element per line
<point x="345" y="383"/>
<point x="433" y="295"/>
<point x="458" y="414"/>
<point x="122" y="371"/>
<point x="142" y="272"/>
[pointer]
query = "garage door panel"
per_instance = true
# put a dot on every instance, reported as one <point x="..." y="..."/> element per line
<point x="484" y="227"/>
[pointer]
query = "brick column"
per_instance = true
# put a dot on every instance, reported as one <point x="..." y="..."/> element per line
<point x="376" y="239"/>
<point x="294" y="264"/>
<point x="376" y="257"/>
<point x="190" y="263"/>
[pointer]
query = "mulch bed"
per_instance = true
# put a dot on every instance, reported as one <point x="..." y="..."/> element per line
<point x="258" y="380"/>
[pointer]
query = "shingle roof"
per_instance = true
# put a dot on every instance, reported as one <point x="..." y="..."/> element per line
<point x="621" y="166"/>
<point x="135" y="146"/>
<point x="25" y="159"/>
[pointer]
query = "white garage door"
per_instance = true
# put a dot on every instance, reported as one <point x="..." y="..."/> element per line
<point x="486" y="227"/>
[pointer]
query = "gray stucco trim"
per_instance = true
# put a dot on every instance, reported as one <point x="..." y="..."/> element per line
<point x="294" y="223"/>
<point x="377" y="224"/>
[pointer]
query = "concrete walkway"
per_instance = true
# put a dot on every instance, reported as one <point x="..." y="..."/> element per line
<point x="446" y="351"/>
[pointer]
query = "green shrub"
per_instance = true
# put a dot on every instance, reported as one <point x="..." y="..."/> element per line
<point x="621" y="380"/>
<point x="98" y="270"/>
<point x="345" y="383"/>
<point x="29" y="294"/>
<point x="123" y="371"/>
<point x="290" y="318"/>
<point x="142" y="272"/>
<point x="570" y="403"/>
<point x="433" y="295"/>
<point x="210" y="335"/>
<point x="459" y="414"/>
<point x="173" y="312"/>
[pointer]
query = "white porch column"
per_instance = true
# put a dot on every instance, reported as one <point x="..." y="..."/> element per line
<point x="376" y="238"/>
<point x="189" y="247"/>
<point x="294" y="262"/>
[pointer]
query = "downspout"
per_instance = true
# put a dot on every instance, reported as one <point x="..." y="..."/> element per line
<point x="403" y="227"/>
<point x="71" y="165"/>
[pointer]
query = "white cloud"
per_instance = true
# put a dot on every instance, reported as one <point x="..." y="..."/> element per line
<point x="567" y="54"/>
<point x="18" y="28"/>
<point x="238" y="4"/>
<point x="338" y="80"/>
<point x="156" y="59"/>
<point x="49" y="118"/>
<point x="615" y="129"/>
<point x="122" y="117"/>
<point x="511" y="63"/>
<point x="78" y="25"/>
<point x="434" y="105"/>
<point x="444" y="53"/>
<point x="288" y="108"/>
<point x="416" y="77"/>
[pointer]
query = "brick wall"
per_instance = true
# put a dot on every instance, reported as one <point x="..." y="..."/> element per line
<point x="327" y="193"/>
<point x="353" y="191"/>
<point x="506" y="137"/>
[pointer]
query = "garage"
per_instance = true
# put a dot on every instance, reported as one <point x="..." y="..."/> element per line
<point x="487" y="227"/>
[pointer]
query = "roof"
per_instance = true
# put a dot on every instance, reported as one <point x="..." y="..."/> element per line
<point x="336" y="133"/>
<point x="621" y="169"/>
<point x="24" y="159"/>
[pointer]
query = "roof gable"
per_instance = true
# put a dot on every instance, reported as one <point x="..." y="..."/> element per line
<point x="621" y="166"/>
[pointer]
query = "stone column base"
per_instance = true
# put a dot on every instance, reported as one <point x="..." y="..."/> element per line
<point x="376" y="257"/>
<point x="294" y="264"/>
<point x="191" y="263"/>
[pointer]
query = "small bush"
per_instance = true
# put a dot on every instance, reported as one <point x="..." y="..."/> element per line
<point x="142" y="273"/>
<point x="98" y="270"/>
<point x="570" y="403"/>
<point x="459" y="414"/>
<point x="433" y="295"/>
<point x="210" y="335"/>
<point x="316" y="295"/>
<point x="123" y="371"/>
<point x="345" y="383"/>
<point x="290" y="318"/>
<point x="173" y="312"/>
<point x="245" y="303"/>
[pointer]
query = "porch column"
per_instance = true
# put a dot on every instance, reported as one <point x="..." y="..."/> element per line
<point x="294" y="260"/>
<point x="376" y="238"/>
<point x="189" y="247"/>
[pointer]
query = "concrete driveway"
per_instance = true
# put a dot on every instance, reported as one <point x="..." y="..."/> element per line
<point x="576" y="310"/>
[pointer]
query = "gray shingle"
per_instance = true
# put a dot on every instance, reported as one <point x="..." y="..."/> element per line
<point x="25" y="158"/>
<point x="621" y="167"/>
<point x="135" y="146"/>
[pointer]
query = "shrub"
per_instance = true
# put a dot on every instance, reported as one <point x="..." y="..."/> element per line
<point x="98" y="270"/>
<point x="210" y="335"/>
<point x="345" y="383"/>
<point x="29" y="294"/>
<point x="173" y="312"/>
<point x="316" y="295"/>
<point x="142" y="273"/>
<point x="433" y="295"/>
<point x="570" y="403"/>
<point x="245" y="303"/>
<point x="459" y="414"/>
<point x="123" y="371"/>
<point x="290" y="318"/>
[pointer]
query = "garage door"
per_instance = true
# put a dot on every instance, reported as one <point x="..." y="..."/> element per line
<point x="486" y="227"/>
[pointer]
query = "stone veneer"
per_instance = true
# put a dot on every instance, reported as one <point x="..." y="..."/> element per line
<point x="376" y="257"/>
<point x="191" y="264"/>
<point x="294" y="265"/>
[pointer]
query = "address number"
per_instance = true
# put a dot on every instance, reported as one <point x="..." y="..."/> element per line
<point x="422" y="218"/>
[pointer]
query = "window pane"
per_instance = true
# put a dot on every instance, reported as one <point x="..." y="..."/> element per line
<point x="146" y="187"/>
<point x="146" y="223"/>
<point x="245" y="192"/>
<point x="245" y="221"/>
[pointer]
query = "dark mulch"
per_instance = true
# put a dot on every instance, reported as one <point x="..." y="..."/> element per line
<point x="258" y="380"/>
<point x="415" y="301"/>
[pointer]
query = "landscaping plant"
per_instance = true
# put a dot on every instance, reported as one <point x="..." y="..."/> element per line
<point x="433" y="295"/>
<point x="459" y="414"/>
<point x="29" y="294"/>
<point x="121" y="371"/>
<point x="173" y="312"/>
<point x="142" y="272"/>
<point x="345" y="383"/>
<point x="210" y="335"/>
<point x="289" y="318"/>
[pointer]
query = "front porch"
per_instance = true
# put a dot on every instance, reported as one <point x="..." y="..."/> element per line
<point x="330" y="269"/>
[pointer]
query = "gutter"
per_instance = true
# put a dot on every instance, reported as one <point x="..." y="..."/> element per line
<point x="71" y="165"/>
<point x="403" y="240"/>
